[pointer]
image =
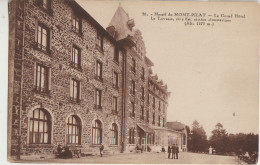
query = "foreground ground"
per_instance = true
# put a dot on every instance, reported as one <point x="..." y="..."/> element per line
<point x="146" y="158"/>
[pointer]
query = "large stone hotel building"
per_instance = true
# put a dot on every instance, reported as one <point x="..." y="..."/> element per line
<point x="74" y="83"/>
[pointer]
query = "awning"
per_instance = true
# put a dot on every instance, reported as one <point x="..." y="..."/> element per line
<point x="146" y="129"/>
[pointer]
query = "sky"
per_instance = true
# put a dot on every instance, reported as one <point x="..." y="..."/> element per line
<point x="211" y="72"/>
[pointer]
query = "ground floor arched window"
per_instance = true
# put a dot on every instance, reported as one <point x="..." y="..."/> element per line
<point x="97" y="132"/>
<point x="40" y="127"/>
<point x="73" y="130"/>
<point x="114" y="134"/>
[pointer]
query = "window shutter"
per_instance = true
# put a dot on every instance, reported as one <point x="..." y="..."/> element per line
<point x="100" y="98"/>
<point x="35" y="74"/>
<point x="79" y="57"/>
<point x="49" y="79"/>
<point x="50" y="39"/>
<point x="71" y="88"/>
<point x="71" y="51"/>
<point x="36" y="30"/>
<point x="113" y="76"/>
<point x="79" y="90"/>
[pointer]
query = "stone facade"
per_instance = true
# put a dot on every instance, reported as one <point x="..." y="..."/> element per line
<point x="54" y="67"/>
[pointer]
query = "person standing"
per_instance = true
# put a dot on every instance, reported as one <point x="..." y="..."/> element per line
<point x="173" y="151"/>
<point x="177" y="151"/>
<point x="101" y="149"/>
<point x="210" y="150"/>
<point x="169" y="152"/>
<point x="59" y="150"/>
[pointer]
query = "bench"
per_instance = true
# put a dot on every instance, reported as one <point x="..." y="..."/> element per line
<point x="86" y="152"/>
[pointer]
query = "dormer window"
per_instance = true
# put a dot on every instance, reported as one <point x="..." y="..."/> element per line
<point x="131" y="23"/>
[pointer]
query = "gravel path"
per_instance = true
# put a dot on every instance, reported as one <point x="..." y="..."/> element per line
<point x="145" y="158"/>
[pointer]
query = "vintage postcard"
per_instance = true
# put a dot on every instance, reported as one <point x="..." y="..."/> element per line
<point x="133" y="82"/>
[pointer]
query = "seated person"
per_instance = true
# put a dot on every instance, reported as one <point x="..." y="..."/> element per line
<point x="59" y="151"/>
<point x="66" y="154"/>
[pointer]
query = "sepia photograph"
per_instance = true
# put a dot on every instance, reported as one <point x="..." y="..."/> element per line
<point x="132" y="82"/>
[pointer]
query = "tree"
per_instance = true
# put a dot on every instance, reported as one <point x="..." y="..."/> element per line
<point x="198" y="139"/>
<point x="219" y="139"/>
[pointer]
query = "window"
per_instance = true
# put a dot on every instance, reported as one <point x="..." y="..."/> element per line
<point x="99" y="70"/>
<point x="74" y="90"/>
<point x="114" y="104"/>
<point x="143" y="73"/>
<point x="153" y="102"/>
<point x="147" y="115"/>
<point x="163" y="122"/>
<point x="116" y="55"/>
<point x="40" y="127"/>
<point x="42" y="82"/>
<point x="76" y="57"/>
<point x="142" y="113"/>
<point x="97" y="132"/>
<point x="98" y="94"/>
<point x="45" y="4"/>
<point x="153" y="118"/>
<point x="159" y="105"/>
<point x="73" y="130"/>
<point x="133" y="69"/>
<point x="43" y="37"/>
<point x="99" y="43"/>
<point x="114" y="134"/>
<point x="133" y="87"/>
<point x="163" y="108"/>
<point x="115" y="79"/>
<point x="76" y="24"/>
<point x="131" y="136"/>
<point x="142" y="88"/>
<point x="159" y="120"/>
<point x="133" y="109"/>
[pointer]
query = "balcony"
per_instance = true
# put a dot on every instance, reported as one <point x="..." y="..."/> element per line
<point x="43" y="49"/>
<point x="76" y="66"/>
<point x="43" y="91"/>
<point x="75" y="100"/>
